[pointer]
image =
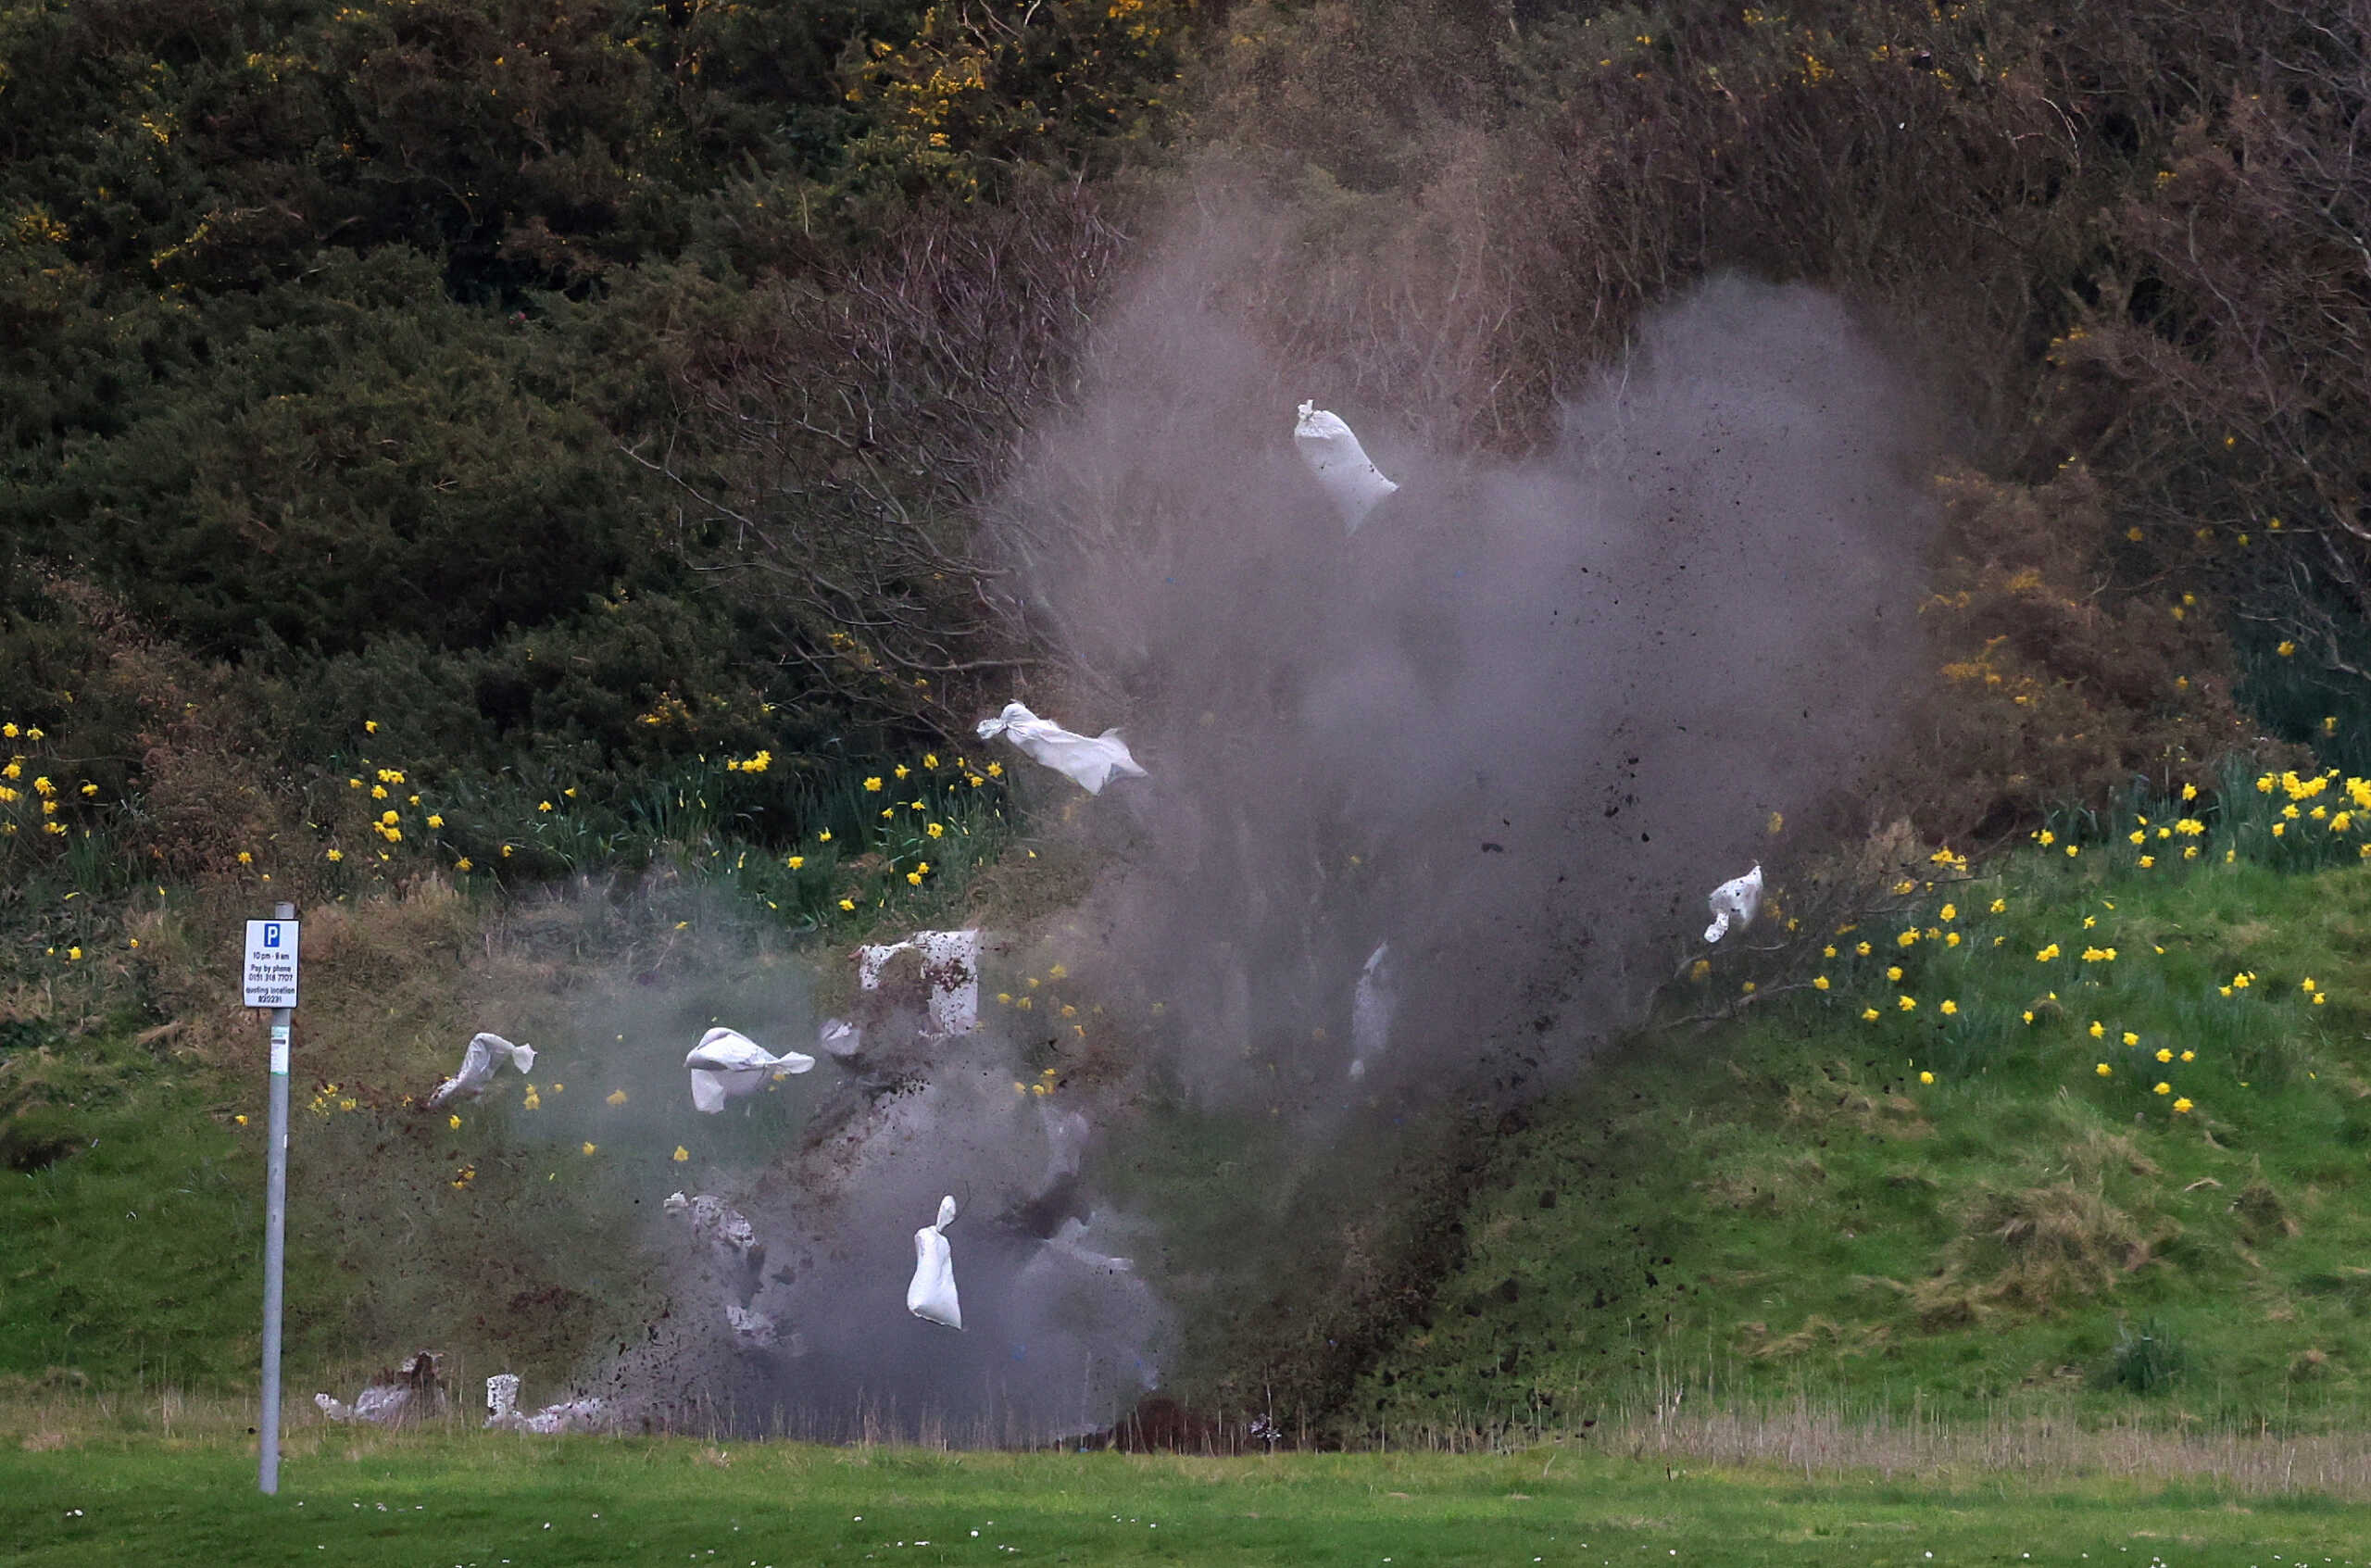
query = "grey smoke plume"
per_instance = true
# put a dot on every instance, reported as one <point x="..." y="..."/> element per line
<point x="1519" y="724"/>
<point x="1509" y="734"/>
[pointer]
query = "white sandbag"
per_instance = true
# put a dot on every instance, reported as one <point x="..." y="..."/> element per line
<point x="501" y="1397"/>
<point x="931" y="1295"/>
<point x="410" y="1392"/>
<point x="951" y="962"/>
<point x="1089" y="763"/>
<point x="487" y="1053"/>
<point x="572" y="1416"/>
<point x="1736" y="901"/>
<point x="720" y="1224"/>
<point x="1333" y="455"/>
<point x="727" y="1063"/>
<point x="1372" y="1001"/>
<point x="751" y="1331"/>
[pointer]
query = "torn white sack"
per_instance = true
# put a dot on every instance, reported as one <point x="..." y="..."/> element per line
<point x="950" y="964"/>
<point x="410" y="1392"/>
<point x="487" y="1053"/>
<point x="931" y="1295"/>
<point x="751" y="1331"/>
<point x="1372" y="1001"/>
<point x="720" y="1224"/>
<point x="727" y="1063"/>
<point x="1088" y="763"/>
<point x="572" y="1416"/>
<point x="1354" y="485"/>
<point x="1737" y="900"/>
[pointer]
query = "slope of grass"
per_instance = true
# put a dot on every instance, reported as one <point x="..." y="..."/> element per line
<point x="134" y="1248"/>
<point x="1948" y="1177"/>
<point x="371" y="1498"/>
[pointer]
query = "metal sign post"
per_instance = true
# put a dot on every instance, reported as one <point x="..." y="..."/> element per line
<point x="271" y="983"/>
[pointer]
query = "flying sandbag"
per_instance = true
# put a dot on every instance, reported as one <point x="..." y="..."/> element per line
<point x="1355" y="485"/>
<point x="727" y="1063"/>
<point x="950" y="964"/>
<point x="1737" y="900"/>
<point x="931" y="1296"/>
<point x="486" y="1055"/>
<point x="1088" y="763"/>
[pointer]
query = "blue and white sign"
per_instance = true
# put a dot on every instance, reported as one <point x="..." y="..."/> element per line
<point x="272" y="963"/>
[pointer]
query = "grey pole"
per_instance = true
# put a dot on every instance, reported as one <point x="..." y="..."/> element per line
<point x="275" y="1226"/>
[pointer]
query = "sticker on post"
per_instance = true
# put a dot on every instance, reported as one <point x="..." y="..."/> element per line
<point x="272" y="963"/>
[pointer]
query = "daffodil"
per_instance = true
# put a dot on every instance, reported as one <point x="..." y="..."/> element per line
<point x="2104" y="1070"/>
<point x="615" y="1097"/>
<point x="1926" y="1077"/>
<point x="2099" y="1030"/>
<point x="901" y="770"/>
<point x="796" y="861"/>
<point x="1951" y="1009"/>
<point x="590" y="1148"/>
<point x="1819" y="982"/>
<point x="1894" y="972"/>
<point x="2163" y="1088"/>
<point x="1868" y="1015"/>
<point x="681" y="1154"/>
<point x="873" y="784"/>
<point x="1907" y="1004"/>
<point x="453" y="1122"/>
<point x="2181" y="1108"/>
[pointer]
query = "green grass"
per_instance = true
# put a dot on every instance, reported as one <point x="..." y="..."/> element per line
<point x="487" y="1498"/>
<point x="1778" y="1202"/>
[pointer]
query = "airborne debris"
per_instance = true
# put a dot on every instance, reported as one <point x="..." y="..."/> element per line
<point x="479" y="1063"/>
<point x="1089" y="763"/>
<point x="931" y="1296"/>
<point x="1354" y="485"/>
<point x="727" y="1063"/>
<point x="1738" y="899"/>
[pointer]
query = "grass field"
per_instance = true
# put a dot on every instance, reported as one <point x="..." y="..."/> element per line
<point x="490" y="1500"/>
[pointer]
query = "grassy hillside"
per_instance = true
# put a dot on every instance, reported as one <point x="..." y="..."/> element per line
<point x="2091" y="1132"/>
